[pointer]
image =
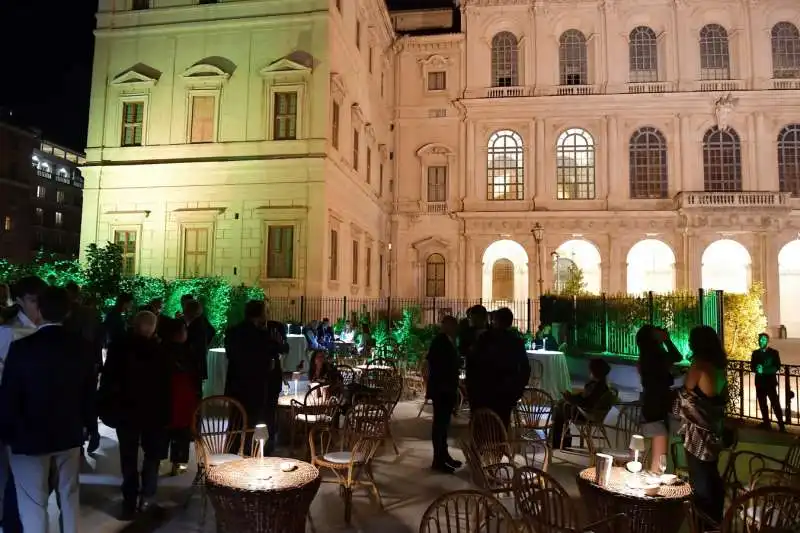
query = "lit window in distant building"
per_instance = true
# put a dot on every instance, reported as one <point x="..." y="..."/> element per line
<point x="285" y="116"/>
<point x="202" y="126"/>
<point x="59" y="219"/>
<point x="573" y="58"/>
<point x="41" y="192"/>
<point x="126" y="240"/>
<point x="7" y="223"/>
<point x="132" y="123"/>
<point x="39" y="213"/>
<point x="575" y="171"/>
<point x="60" y="197"/>
<point x="505" y="166"/>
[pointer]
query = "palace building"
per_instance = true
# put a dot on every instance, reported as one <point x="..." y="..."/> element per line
<point x="328" y="147"/>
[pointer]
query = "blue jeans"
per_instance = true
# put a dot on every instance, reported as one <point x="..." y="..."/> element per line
<point x="707" y="485"/>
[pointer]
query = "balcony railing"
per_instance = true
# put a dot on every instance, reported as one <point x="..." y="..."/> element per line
<point x="575" y="90"/>
<point x="720" y="85"/>
<point x="509" y="92"/>
<point x="785" y="84"/>
<point x="649" y="87"/>
<point x="436" y="208"/>
<point x="731" y="199"/>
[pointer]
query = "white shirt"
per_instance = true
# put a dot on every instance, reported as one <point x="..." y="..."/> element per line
<point x="21" y="327"/>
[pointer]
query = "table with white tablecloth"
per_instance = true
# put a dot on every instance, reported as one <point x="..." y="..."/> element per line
<point x="555" y="375"/>
<point x="218" y="364"/>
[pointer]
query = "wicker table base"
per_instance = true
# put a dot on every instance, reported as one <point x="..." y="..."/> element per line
<point x="664" y="513"/>
<point x="256" y="496"/>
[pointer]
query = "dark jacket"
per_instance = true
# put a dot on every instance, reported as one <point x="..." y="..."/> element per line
<point x="254" y="369"/>
<point x="655" y="371"/>
<point x="85" y="322"/>
<point x="135" y="384"/>
<point x="498" y="369"/>
<point x="200" y="333"/>
<point x="592" y="394"/>
<point x="770" y="360"/>
<point x="47" y="393"/>
<point x="115" y="326"/>
<point x="444" y="365"/>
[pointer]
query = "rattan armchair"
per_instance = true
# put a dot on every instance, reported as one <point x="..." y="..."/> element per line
<point x="220" y="428"/>
<point x="533" y="415"/>
<point x="590" y="422"/>
<point x="467" y="511"/>
<point x="743" y="464"/>
<point x="537" y="374"/>
<point x="629" y="423"/>
<point x="351" y="460"/>
<point x="547" y="508"/>
<point x="320" y="407"/>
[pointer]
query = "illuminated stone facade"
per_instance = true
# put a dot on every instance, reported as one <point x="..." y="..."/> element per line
<point x="656" y="143"/>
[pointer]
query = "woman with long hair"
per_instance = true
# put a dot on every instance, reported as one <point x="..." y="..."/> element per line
<point x="657" y="354"/>
<point x="702" y="412"/>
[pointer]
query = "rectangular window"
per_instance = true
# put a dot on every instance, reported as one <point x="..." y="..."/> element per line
<point x="285" y="123"/>
<point x="382" y="84"/>
<point x="355" y="150"/>
<point x="369" y="165"/>
<point x="355" y="262"/>
<point x="132" y="123"/>
<point x="369" y="59"/>
<point x="380" y="272"/>
<point x="368" y="273"/>
<point x="127" y="241"/>
<point x="437" y="81"/>
<point x="59" y="219"/>
<point x="335" y="126"/>
<point x="380" y="180"/>
<point x="141" y="4"/>
<point x="437" y="184"/>
<point x="195" y="252"/>
<point x="280" y="252"/>
<point x="334" y="267"/>
<point x="41" y="192"/>
<point x="202" y="126"/>
<point x="358" y="34"/>
<point x="39" y="213"/>
<point x="60" y="197"/>
<point x="7" y="223"/>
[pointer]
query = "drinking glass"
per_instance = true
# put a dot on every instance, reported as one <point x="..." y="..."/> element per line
<point x="662" y="464"/>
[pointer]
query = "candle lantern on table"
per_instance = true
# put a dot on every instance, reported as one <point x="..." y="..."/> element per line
<point x="637" y="445"/>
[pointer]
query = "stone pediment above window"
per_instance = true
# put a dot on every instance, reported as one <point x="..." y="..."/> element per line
<point x="212" y="71"/>
<point x="431" y="245"/>
<point x="357" y="114"/>
<point x="197" y="214"/>
<point x="139" y="77"/>
<point x="338" y="89"/>
<point x="434" y="62"/>
<point x="295" y="66"/>
<point x="434" y="149"/>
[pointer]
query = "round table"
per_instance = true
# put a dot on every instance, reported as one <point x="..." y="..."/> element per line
<point x="255" y="495"/>
<point x="664" y="513"/>
<point x="555" y="375"/>
<point x="217" y="364"/>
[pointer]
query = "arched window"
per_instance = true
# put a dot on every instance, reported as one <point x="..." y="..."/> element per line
<point x="643" y="50"/>
<point x="785" y="51"/>
<point x="505" y="52"/>
<point x="722" y="160"/>
<point x="648" y="164"/>
<point x="715" y="57"/>
<point x="789" y="159"/>
<point x="575" y="165"/>
<point x="504" y="166"/>
<point x="573" y="59"/>
<point x="435" y="276"/>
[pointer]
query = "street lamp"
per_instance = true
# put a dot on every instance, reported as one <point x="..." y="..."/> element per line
<point x="538" y="234"/>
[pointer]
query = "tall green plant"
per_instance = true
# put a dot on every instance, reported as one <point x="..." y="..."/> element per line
<point x="104" y="270"/>
<point x="744" y="320"/>
<point x="574" y="285"/>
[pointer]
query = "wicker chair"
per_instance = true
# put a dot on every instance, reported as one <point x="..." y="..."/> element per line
<point x="533" y="414"/>
<point x="489" y="437"/>
<point x="467" y="511"/>
<point x="767" y="510"/>
<point x="537" y="374"/>
<point x="347" y="374"/>
<point x="388" y="385"/>
<point x="220" y="426"/>
<point x="591" y="422"/>
<point x="547" y="508"/>
<point x="751" y="462"/>
<point x="320" y="407"/>
<point x="629" y="423"/>
<point x="364" y="431"/>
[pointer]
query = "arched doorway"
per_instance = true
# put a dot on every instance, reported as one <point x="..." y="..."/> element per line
<point x="651" y="267"/>
<point x="789" y="284"/>
<point x="586" y="257"/>
<point x="726" y="266"/>
<point x="505" y="272"/>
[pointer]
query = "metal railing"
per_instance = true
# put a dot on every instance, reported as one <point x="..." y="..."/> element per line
<point x="304" y="309"/>
<point x="744" y="199"/>
<point x="743" y="400"/>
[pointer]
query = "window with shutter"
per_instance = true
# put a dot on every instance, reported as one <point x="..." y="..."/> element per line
<point x="203" y="111"/>
<point x="280" y="252"/>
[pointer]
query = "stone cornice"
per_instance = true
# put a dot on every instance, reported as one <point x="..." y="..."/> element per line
<point x="428" y="43"/>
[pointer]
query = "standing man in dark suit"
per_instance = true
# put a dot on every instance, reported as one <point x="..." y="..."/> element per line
<point x="46" y="404"/>
<point x="766" y="362"/>
<point x="199" y="333"/>
<point x="444" y="365"/>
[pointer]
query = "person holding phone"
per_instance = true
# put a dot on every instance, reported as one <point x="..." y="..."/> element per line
<point x="657" y="355"/>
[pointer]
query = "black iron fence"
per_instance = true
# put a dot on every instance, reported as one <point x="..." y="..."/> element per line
<point x="743" y="399"/>
<point x="304" y="309"/>
<point x="608" y="324"/>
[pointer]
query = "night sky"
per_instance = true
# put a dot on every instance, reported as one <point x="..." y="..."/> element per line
<point x="47" y="48"/>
